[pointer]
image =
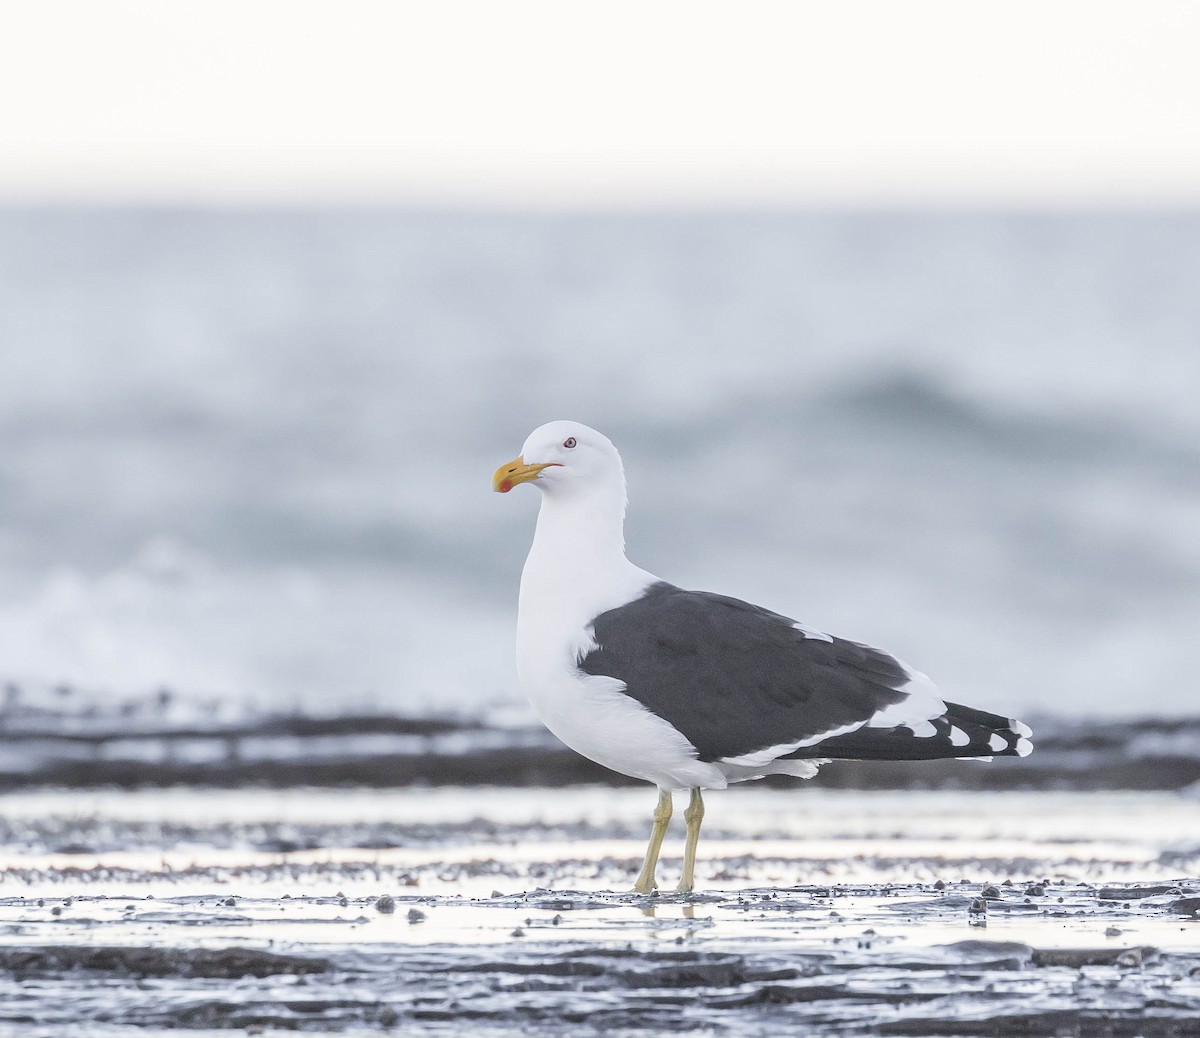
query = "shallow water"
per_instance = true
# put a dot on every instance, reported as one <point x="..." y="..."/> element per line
<point x="504" y="911"/>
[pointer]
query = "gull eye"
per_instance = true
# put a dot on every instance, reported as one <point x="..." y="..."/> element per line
<point x="569" y="442"/>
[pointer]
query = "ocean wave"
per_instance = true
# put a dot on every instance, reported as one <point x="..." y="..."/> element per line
<point x="248" y="453"/>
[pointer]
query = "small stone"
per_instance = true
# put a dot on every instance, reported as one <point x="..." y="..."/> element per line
<point x="1035" y="891"/>
<point x="977" y="913"/>
<point x="56" y="910"/>
<point x="386" y="904"/>
<point x="1113" y="931"/>
<point x="415" y="915"/>
<point x="940" y="885"/>
<point x="990" y="892"/>
<point x="518" y="932"/>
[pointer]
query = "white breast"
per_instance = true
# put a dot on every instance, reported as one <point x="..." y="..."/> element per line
<point x="591" y="713"/>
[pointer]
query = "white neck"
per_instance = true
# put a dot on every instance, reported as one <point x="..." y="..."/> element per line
<point x="577" y="562"/>
<point x="581" y="529"/>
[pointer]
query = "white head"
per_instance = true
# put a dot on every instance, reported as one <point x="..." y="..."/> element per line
<point x="563" y="459"/>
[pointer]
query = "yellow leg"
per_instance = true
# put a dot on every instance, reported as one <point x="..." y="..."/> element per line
<point x="694" y="815"/>
<point x="662" y="815"/>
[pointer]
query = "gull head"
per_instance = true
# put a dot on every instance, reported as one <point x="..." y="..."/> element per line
<point x="559" y="457"/>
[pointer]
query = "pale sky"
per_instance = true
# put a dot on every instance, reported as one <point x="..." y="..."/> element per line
<point x="560" y="103"/>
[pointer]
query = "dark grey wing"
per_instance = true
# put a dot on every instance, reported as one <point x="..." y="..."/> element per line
<point x="735" y="678"/>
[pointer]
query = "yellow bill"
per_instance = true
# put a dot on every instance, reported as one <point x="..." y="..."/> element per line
<point x="516" y="471"/>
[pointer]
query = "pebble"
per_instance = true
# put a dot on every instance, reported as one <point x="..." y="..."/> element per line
<point x="386" y="904"/>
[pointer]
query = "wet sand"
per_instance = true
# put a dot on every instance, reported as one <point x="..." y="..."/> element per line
<point x="502" y="912"/>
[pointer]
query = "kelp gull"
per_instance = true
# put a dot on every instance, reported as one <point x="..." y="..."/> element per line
<point x="691" y="690"/>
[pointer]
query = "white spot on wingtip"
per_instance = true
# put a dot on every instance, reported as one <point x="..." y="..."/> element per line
<point x="811" y="632"/>
<point x="1020" y="729"/>
<point x="1024" y="746"/>
<point x="997" y="742"/>
<point x="958" y="737"/>
<point x="923" y="729"/>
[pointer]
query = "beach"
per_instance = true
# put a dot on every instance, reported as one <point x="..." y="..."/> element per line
<point x="506" y="911"/>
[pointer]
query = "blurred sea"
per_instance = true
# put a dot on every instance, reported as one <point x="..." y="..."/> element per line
<point x="246" y="455"/>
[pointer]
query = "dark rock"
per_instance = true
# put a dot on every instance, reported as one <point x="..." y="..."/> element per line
<point x="1076" y="957"/>
<point x="1186" y="906"/>
<point x="221" y="963"/>
<point x="1134" y="893"/>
